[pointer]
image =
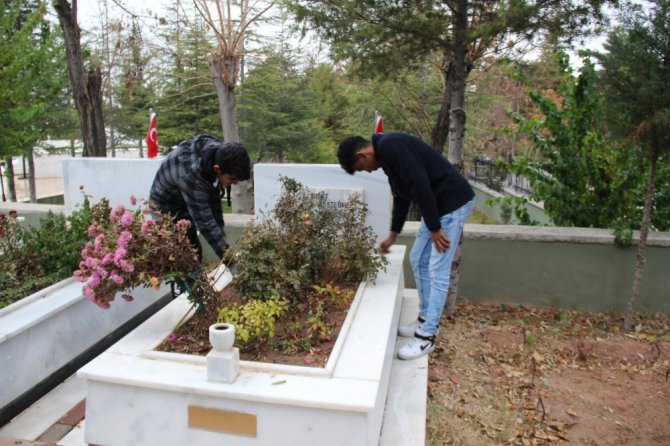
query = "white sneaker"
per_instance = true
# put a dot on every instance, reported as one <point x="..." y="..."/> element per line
<point x="407" y="331"/>
<point x="422" y="344"/>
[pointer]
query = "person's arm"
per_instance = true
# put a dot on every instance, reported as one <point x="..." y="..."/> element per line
<point x="413" y="173"/>
<point x="208" y="217"/>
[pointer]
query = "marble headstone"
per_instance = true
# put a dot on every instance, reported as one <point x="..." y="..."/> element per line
<point x="372" y="187"/>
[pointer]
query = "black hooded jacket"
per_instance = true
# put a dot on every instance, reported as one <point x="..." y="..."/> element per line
<point x="416" y="172"/>
<point x="185" y="184"/>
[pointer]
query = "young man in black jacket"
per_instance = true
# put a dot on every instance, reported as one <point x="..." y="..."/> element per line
<point x="416" y="172"/>
<point x="189" y="185"/>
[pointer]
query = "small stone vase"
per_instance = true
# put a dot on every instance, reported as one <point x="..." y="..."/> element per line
<point x="222" y="336"/>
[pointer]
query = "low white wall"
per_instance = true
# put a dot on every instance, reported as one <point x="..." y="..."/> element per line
<point x="45" y="331"/>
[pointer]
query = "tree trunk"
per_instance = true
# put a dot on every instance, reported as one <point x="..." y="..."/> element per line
<point x="224" y="69"/>
<point x="457" y="127"/>
<point x="31" y="176"/>
<point x="9" y="177"/>
<point x="641" y="256"/>
<point x="457" y="115"/>
<point x="441" y="130"/>
<point x="141" y="149"/>
<point x="86" y="87"/>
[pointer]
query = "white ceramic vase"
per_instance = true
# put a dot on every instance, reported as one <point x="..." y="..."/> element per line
<point x="222" y="336"/>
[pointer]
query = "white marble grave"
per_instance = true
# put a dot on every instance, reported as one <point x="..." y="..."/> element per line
<point x="142" y="397"/>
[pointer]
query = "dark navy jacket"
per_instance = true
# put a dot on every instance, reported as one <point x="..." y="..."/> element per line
<point x="417" y="172"/>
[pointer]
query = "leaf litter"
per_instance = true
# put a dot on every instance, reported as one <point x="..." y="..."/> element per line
<point x="514" y="375"/>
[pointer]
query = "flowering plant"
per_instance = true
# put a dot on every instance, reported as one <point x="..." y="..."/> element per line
<point x="129" y="249"/>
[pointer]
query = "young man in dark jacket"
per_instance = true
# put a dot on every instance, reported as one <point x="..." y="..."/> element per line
<point x="189" y="185"/>
<point x="416" y="172"/>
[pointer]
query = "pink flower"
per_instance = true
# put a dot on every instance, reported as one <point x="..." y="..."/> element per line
<point x="93" y="230"/>
<point x="126" y="266"/>
<point x="127" y="297"/>
<point x="119" y="254"/>
<point x="101" y="304"/>
<point x="183" y="225"/>
<point x="79" y="275"/>
<point x="127" y="219"/>
<point x="173" y="338"/>
<point x="124" y="238"/>
<point x="116" y="278"/>
<point x="117" y="212"/>
<point x="99" y="240"/>
<point x="146" y="226"/>
<point x="91" y="262"/>
<point x="88" y="292"/>
<point x="95" y="279"/>
<point x="133" y="200"/>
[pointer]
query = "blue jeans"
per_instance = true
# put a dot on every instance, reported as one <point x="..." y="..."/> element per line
<point x="432" y="268"/>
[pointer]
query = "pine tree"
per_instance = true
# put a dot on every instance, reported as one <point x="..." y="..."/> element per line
<point x="31" y="77"/>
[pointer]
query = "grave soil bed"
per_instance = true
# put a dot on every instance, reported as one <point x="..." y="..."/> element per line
<point x="514" y="375"/>
<point x="296" y="340"/>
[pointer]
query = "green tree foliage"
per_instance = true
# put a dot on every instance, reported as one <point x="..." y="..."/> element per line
<point x="636" y="75"/>
<point x="32" y="74"/>
<point x="386" y="37"/>
<point x="279" y="121"/>
<point x="582" y="178"/>
<point x="187" y="104"/>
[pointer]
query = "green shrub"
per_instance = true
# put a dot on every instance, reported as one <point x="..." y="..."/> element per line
<point x="307" y="240"/>
<point x="293" y="259"/>
<point x="33" y="258"/>
<point x="254" y="321"/>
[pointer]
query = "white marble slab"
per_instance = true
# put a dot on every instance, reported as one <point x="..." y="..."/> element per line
<point x="113" y="178"/>
<point x="150" y="397"/>
<point x="55" y="326"/>
<point x="35" y="420"/>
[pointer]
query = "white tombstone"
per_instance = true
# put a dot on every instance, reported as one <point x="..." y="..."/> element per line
<point x="114" y="178"/>
<point x="335" y="182"/>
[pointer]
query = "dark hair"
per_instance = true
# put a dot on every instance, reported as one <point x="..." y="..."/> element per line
<point x="233" y="159"/>
<point x="346" y="152"/>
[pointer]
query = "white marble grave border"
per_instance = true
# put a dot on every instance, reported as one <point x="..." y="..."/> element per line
<point x="153" y="398"/>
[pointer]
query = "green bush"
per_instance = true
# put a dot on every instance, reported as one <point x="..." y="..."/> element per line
<point x="291" y="262"/>
<point x="306" y="240"/>
<point x="34" y="258"/>
<point x="254" y="321"/>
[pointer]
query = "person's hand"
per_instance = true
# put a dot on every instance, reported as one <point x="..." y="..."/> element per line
<point x="440" y="241"/>
<point x="386" y="244"/>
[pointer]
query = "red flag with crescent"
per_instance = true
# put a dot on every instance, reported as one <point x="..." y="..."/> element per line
<point x="378" y="125"/>
<point x="152" y="138"/>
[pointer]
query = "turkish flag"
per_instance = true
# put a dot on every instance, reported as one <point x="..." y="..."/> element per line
<point x="152" y="138"/>
<point x="378" y="125"/>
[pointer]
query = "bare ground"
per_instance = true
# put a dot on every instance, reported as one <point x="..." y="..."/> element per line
<point x="504" y="375"/>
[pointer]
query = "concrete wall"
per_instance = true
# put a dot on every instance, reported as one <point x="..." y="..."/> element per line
<point x="576" y="268"/>
<point x="483" y="194"/>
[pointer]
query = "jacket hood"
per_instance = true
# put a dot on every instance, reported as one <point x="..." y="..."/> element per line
<point x="203" y="149"/>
